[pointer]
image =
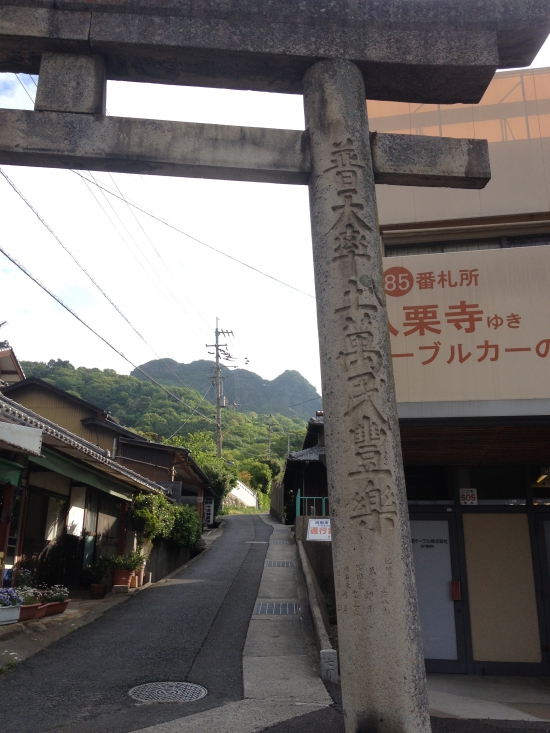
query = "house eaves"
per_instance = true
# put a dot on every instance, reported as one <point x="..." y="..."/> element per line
<point x="109" y="424"/>
<point x="315" y="453"/>
<point x="8" y="359"/>
<point x="178" y="452"/>
<point x="72" y="445"/>
<point x="35" y="381"/>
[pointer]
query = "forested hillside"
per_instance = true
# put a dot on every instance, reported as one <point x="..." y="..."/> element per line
<point x="289" y="394"/>
<point x="147" y="408"/>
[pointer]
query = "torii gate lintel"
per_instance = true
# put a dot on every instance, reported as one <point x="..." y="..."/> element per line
<point x="442" y="51"/>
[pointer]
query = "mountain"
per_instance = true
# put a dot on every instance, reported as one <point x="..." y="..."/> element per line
<point x="289" y="394"/>
<point x="145" y="407"/>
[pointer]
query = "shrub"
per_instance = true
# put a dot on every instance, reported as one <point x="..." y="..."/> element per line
<point x="264" y="500"/>
<point x="152" y="515"/>
<point x="187" y="527"/>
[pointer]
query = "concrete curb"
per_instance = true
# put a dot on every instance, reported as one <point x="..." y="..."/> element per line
<point x="328" y="657"/>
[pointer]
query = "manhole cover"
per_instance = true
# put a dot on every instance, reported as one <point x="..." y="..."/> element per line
<point x="168" y="692"/>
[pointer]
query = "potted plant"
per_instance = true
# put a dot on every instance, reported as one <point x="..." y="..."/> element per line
<point x="97" y="573"/>
<point x="30" y="604"/>
<point x="123" y="566"/>
<point x="24" y="578"/>
<point x="56" y="599"/>
<point x="139" y="565"/>
<point x="10" y="604"/>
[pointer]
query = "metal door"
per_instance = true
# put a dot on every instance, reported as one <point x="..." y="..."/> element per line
<point x="438" y="582"/>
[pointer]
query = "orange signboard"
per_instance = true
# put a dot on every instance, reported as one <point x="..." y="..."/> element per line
<point x="470" y="325"/>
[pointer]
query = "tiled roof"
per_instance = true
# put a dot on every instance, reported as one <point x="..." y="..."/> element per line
<point x="308" y="454"/>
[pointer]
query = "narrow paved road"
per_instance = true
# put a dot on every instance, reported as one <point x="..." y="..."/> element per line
<point x="191" y="628"/>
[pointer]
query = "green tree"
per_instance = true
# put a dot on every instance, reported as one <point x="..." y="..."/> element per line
<point x="260" y="473"/>
<point x="147" y="409"/>
<point x="223" y="475"/>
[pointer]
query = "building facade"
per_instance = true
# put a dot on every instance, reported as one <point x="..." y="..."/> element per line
<point x="68" y="475"/>
<point x="466" y="281"/>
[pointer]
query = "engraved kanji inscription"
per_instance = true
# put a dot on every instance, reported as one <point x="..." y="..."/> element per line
<point x="374" y="508"/>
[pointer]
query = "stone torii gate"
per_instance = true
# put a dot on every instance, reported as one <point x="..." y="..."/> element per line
<point x="337" y="53"/>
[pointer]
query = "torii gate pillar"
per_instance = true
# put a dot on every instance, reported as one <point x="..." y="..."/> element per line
<point x="381" y="659"/>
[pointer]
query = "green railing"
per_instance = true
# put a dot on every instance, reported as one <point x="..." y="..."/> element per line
<point x="311" y="506"/>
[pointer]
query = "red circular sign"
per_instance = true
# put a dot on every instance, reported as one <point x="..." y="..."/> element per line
<point x="398" y="281"/>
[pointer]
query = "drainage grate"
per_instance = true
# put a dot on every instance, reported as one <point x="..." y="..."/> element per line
<point x="277" y="609"/>
<point x="168" y="692"/>
<point x="280" y="542"/>
<point x="255" y="542"/>
<point x="279" y="564"/>
<point x="281" y="530"/>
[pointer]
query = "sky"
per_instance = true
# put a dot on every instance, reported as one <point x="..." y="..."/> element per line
<point x="169" y="286"/>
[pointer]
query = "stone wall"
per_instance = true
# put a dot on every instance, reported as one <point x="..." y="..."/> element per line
<point x="164" y="558"/>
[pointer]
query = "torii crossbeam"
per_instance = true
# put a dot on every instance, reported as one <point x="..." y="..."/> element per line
<point x="336" y="53"/>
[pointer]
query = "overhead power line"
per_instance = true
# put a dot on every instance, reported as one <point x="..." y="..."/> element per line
<point x="161" y="290"/>
<point x="99" y="336"/>
<point x="166" y="284"/>
<point x="190" y="416"/>
<point x="150" y="275"/>
<point x="83" y="269"/>
<point x="194" y="239"/>
<point x="130" y="209"/>
<point x="131" y="205"/>
<point x="25" y="88"/>
<point x="304" y="402"/>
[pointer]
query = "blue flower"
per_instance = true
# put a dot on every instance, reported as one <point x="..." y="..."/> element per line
<point x="10" y="597"/>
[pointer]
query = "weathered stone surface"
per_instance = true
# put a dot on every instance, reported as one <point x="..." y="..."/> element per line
<point x="71" y="83"/>
<point x="65" y="140"/>
<point x="418" y="160"/>
<point x="27" y="32"/>
<point x="195" y="150"/>
<point x="417" y="65"/>
<point x="382" y="665"/>
<point x="419" y="50"/>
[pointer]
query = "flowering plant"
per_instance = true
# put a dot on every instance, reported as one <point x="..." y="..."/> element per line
<point x="24" y="578"/>
<point x="29" y="595"/>
<point x="10" y="597"/>
<point x="54" y="594"/>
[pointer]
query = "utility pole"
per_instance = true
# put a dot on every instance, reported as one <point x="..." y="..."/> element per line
<point x="219" y="349"/>
<point x="269" y="439"/>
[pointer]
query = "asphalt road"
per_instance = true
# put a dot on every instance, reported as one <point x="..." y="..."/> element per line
<point x="192" y="628"/>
